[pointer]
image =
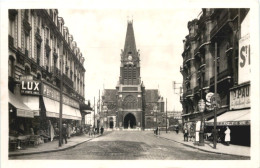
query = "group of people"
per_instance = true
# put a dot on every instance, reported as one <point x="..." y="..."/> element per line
<point x="189" y="133"/>
<point x="94" y="131"/>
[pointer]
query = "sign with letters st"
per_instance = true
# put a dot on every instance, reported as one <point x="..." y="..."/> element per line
<point x="30" y="87"/>
<point x="244" y="52"/>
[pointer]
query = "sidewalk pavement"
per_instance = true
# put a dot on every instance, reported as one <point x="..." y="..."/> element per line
<point x="52" y="146"/>
<point x="235" y="150"/>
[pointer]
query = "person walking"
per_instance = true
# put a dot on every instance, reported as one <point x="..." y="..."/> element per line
<point x="227" y="135"/>
<point x="102" y="130"/>
<point x="185" y="134"/>
<point x="64" y="133"/>
<point x="177" y="129"/>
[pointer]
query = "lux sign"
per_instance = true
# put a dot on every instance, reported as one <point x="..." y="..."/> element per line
<point x="30" y="87"/>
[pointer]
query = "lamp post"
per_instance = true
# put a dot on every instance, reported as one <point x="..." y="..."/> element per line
<point x="215" y="89"/>
<point x="166" y="115"/>
<point x="61" y="100"/>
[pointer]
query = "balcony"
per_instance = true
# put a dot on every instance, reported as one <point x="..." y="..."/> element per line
<point x="221" y="76"/>
<point x="10" y="41"/>
<point x="220" y="24"/>
<point x="26" y="53"/>
<point x="67" y="80"/>
<point x="38" y="61"/>
<point x="189" y="93"/>
<point x="197" y="89"/>
<point x="47" y="46"/>
<point x="27" y="26"/>
<point x="37" y="35"/>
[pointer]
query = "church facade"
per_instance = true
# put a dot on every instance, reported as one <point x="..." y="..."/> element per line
<point x="130" y="105"/>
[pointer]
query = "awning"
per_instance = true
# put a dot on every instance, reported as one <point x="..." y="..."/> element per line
<point x="21" y="109"/>
<point x="53" y="110"/>
<point x="33" y="103"/>
<point x="52" y="107"/>
<point x="86" y="111"/>
<point x="239" y="117"/>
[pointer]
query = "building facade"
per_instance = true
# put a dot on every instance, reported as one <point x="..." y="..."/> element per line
<point x="217" y="31"/>
<point x="130" y="105"/>
<point x="42" y="54"/>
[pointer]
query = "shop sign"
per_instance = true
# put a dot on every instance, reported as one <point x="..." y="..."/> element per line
<point x="201" y="105"/>
<point x="215" y="100"/>
<point x="229" y="123"/>
<point x="30" y="87"/>
<point x="244" y="52"/>
<point x="240" y="97"/>
<point x="55" y="95"/>
<point x="24" y="113"/>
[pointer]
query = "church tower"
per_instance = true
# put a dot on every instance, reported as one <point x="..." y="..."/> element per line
<point x="129" y="88"/>
<point x="130" y="59"/>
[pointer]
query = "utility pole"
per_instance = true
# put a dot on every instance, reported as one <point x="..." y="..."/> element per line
<point x="215" y="89"/>
<point x="94" y="114"/>
<point x="61" y="101"/>
<point x="166" y="115"/>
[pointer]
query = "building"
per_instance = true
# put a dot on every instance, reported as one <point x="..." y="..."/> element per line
<point x="130" y="105"/>
<point x="218" y="31"/>
<point x="42" y="54"/>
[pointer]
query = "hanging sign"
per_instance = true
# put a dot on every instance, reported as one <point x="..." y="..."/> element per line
<point x="201" y="105"/>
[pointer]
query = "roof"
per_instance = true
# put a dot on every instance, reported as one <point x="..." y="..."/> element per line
<point x="151" y="95"/>
<point x="109" y="95"/>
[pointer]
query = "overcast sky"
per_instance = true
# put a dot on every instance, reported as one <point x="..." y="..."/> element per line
<point x="100" y="35"/>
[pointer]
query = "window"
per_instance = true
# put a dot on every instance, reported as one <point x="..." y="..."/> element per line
<point x="27" y="70"/>
<point x="11" y="67"/>
<point x="39" y="76"/>
<point x="38" y="53"/>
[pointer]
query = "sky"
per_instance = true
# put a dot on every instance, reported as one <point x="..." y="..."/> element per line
<point x="100" y="35"/>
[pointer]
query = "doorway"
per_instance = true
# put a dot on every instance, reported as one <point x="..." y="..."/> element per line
<point x="111" y="122"/>
<point x="129" y="121"/>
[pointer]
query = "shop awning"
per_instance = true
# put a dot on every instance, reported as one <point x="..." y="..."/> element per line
<point x="86" y="111"/>
<point x="21" y="109"/>
<point x="52" y="107"/>
<point x="239" y="117"/>
<point x="53" y="110"/>
<point x="33" y="103"/>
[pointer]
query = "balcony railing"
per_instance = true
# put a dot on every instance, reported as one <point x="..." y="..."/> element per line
<point x="37" y="35"/>
<point x="220" y="23"/>
<point x="196" y="89"/>
<point x="221" y="76"/>
<point x="26" y="53"/>
<point x="67" y="80"/>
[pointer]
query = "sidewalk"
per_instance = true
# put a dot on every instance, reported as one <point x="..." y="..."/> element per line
<point x="52" y="146"/>
<point x="208" y="147"/>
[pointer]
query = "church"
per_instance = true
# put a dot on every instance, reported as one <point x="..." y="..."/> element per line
<point x="130" y="105"/>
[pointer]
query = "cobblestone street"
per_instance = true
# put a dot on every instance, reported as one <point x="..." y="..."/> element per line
<point x="129" y="145"/>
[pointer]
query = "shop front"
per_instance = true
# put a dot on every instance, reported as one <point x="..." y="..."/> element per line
<point x="237" y="118"/>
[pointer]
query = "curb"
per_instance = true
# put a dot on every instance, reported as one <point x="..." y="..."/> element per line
<point x="48" y="151"/>
<point x="204" y="150"/>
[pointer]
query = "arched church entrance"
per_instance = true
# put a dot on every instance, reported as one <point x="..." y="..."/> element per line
<point x="111" y="122"/>
<point x="129" y="121"/>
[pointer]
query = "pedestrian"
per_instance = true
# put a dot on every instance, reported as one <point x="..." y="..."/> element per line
<point x="102" y="130"/>
<point x="185" y="134"/>
<point x="177" y="129"/>
<point x="64" y="133"/>
<point x="227" y="135"/>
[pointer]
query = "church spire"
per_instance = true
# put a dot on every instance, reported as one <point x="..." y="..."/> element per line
<point x="130" y="47"/>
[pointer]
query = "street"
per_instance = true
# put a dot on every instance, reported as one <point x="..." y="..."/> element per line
<point x="129" y="145"/>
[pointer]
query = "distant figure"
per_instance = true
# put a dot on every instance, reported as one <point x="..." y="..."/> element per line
<point x="227" y="136"/>
<point x="64" y="133"/>
<point x="185" y="134"/>
<point x="102" y="130"/>
<point x="177" y="129"/>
